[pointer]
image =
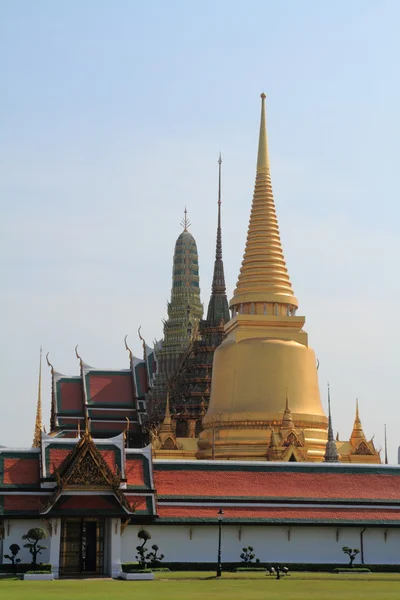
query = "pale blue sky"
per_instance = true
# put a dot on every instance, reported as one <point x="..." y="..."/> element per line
<point x="113" y="114"/>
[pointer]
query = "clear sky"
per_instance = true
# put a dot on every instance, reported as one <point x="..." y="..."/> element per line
<point x="113" y="114"/>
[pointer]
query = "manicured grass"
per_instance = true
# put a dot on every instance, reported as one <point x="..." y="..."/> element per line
<point x="196" y="586"/>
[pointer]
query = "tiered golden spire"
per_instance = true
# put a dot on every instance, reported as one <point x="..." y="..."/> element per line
<point x="263" y="275"/>
<point x="357" y="434"/>
<point x="38" y="422"/>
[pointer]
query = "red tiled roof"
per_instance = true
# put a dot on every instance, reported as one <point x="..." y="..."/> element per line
<point x="134" y="472"/>
<point x="21" y="471"/>
<point x="57" y="457"/>
<point x="109" y="457"/>
<point x="110" y="388"/>
<point x="110" y="426"/>
<point x="70" y="392"/>
<point x="15" y="502"/>
<point x="280" y="513"/>
<point x="139" y="502"/>
<point x="269" y="484"/>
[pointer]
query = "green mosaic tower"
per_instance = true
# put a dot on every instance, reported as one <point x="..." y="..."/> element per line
<point x="185" y="311"/>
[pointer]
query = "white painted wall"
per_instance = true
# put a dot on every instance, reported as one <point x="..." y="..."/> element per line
<point x="181" y="543"/>
<point x="14" y="529"/>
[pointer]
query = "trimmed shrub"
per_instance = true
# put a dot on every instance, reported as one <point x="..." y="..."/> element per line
<point x="312" y="567"/>
<point x="33" y="537"/>
<point x="352" y="570"/>
<point x="23" y="568"/>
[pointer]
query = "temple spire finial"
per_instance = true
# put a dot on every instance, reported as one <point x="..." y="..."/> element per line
<point x="331" y="453"/>
<point x="262" y="158"/>
<point x="38" y="421"/>
<point x="185" y="221"/>
<point x="218" y="306"/>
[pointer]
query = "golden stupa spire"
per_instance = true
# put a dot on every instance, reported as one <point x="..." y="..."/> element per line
<point x="263" y="275"/>
<point x="38" y="422"/>
<point x="358" y="433"/>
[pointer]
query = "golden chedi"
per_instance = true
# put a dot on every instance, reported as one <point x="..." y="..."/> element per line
<point x="265" y="356"/>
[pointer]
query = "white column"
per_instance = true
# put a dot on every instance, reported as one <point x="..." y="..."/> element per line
<point x="115" y="547"/>
<point x="55" y="540"/>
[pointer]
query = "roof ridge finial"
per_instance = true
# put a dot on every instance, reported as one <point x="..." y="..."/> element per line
<point x="185" y="221"/>
<point x="38" y="422"/>
<point x="262" y="158"/>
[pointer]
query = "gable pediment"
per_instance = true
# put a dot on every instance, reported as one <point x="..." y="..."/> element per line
<point x="86" y="471"/>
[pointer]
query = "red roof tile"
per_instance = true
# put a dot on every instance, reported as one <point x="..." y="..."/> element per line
<point x="20" y="502"/>
<point x="138" y="502"/>
<point x="110" y="388"/>
<point x="57" y="457"/>
<point x="109" y="457"/>
<point x="302" y="513"/>
<point x="70" y="396"/>
<point x="21" y="471"/>
<point x="134" y="472"/>
<point x="288" y="484"/>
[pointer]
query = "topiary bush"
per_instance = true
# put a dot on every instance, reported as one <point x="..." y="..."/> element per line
<point x="34" y="536"/>
<point x="14" y="549"/>
<point x="248" y="556"/>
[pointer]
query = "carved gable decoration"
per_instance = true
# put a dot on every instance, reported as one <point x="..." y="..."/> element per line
<point x="292" y="440"/>
<point x="87" y="472"/>
<point x="363" y="449"/>
<point x="85" y="466"/>
<point x="169" y="444"/>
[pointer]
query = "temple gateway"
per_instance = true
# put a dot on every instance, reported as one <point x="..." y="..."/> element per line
<point x="224" y="413"/>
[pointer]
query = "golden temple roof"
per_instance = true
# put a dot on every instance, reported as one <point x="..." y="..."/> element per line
<point x="263" y="275"/>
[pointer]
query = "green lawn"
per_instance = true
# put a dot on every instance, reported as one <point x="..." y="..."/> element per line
<point x="188" y="586"/>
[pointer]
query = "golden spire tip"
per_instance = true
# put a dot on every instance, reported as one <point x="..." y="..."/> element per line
<point x="263" y="96"/>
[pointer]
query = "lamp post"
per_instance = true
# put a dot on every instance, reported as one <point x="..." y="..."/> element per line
<point x="220" y="517"/>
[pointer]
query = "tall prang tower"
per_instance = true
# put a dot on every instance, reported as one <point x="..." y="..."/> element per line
<point x="265" y="362"/>
<point x="192" y="389"/>
<point x="185" y="311"/>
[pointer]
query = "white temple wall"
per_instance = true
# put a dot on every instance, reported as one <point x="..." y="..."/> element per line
<point x="14" y="529"/>
<point x="314" y="544"/>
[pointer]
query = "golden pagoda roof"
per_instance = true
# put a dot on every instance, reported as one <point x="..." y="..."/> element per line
<point x="263" y="275"/>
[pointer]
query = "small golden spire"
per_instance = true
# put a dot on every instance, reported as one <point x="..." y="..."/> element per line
<point x="263" y="275"/>
<point x="357" y="434"/>
<point x="167" y="422"/>
<point x="79" y="429"/>
<point x="38" y="422"/>
<point x="287" y="419"/>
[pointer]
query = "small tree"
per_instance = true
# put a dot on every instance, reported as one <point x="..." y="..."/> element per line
<point x="248" y="556"/>
<point x="141" y="550"/>
<point x="153" y="558"/>
<point x="14" y="549"/>
<point x="34" y="536"/>
<point x="352" y="553"/>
